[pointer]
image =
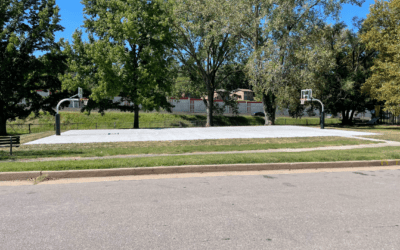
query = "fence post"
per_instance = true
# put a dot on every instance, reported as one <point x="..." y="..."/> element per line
<point x="10" y="145"/>
<point x="29" y="128"/>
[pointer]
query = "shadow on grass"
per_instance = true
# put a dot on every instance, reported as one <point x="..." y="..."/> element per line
<point x="193" y="117"/>
<point x="366" y="126"/>
<point x="4" y="155"/>
<point x="237" y="121"/>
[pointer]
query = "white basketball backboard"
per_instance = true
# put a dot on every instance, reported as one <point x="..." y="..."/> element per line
<point x="80" y="93"/>
<point x="306" y="94"/>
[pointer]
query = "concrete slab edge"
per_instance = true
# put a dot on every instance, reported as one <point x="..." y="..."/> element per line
<point x="11" y="176"/>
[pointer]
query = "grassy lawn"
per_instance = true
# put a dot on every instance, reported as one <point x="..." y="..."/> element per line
<point x="167" y="147"/>
<point x="313" y="156"/>
<point x="387" y="132"/>
<point x="122" y="120"/>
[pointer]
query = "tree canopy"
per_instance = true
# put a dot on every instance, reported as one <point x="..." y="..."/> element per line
<point x="128" y="53"/>
<point x="275" y="31"/>
<point x="208" y="45"/>
<point x="27" y="27"/>
<point x="383" y="35"/>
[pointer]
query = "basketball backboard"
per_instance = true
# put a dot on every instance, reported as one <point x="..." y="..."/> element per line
<point x="306" y="94"/>
<point x="80" y="93"/>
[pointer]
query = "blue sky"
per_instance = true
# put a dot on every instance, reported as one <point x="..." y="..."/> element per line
<point x="71" y="12"/>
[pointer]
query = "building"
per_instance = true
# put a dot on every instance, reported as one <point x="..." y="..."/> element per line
<point x="243" y="94"/>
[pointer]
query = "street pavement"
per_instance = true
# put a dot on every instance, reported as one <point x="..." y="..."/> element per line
<point x="327" y="210"/>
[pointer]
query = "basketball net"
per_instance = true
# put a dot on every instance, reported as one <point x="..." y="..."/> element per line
<point x="302" y="101"/>
<point x="84" y="101"/>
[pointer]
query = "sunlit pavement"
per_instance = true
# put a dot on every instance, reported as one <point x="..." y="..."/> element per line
<point x="335" y="210"/>
<point x="173" y="134"/>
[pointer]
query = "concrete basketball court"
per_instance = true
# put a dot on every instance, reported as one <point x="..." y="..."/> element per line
<point x="175" y="134"/>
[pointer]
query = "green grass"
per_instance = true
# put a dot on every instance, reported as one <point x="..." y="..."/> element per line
<point x="122" y="120"/>
<point x="386" y="132"/>
<point x="169" y="147"/>
<point x="312" y="156"/>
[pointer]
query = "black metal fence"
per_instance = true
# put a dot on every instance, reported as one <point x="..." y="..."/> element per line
<point x="36" y="128"/>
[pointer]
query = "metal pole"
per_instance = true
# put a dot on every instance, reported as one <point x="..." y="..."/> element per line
<point x="58" y="127"/>
<point x="10" y="145"/>
<point x="322" y="120"/>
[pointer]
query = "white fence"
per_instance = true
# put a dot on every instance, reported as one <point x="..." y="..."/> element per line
<point x="190" y="105"/>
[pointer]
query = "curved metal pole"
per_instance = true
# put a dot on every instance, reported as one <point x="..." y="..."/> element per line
<point x="58" y="126"/>
<point x="64" y="100"/>
<point x="319" y="102"/>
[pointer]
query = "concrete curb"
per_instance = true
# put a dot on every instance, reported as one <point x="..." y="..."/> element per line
<point x="11" y="176"/>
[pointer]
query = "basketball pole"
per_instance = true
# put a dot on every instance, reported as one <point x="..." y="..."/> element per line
<point x="57" y="116"/>
<point x="306" y="95"/>
<point x="322" y="119"/>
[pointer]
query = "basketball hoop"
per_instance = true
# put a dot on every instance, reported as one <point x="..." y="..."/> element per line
<point x="84" y="101"/>
<point x="302" y="101"/>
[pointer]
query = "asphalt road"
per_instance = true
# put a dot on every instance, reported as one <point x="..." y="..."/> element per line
<point x="346" y="210"/>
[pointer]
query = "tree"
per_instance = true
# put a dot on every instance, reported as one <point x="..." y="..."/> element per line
<point x="128" y="54"/>
<point x="342" y="91"/>
<point x="207" y="43"/>
<point x="274" y="30"/>
<point x="27" y="27"/>
<point x="382" y="35"/>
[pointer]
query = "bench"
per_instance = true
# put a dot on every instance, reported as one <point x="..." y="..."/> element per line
<point x="9" y="141"/>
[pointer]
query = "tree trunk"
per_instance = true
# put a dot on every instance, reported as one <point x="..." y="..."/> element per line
<point x="3" y="126"/>
<point x="351" y="117"/>
<point x="210" y="106"/>
<point x="136" y="120"/>
<point x="265" y="105"/>
<point x="345" y="117"/>
<point x="269" y="107"/>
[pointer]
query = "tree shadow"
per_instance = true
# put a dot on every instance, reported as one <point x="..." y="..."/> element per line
<point x="39" y="153"/>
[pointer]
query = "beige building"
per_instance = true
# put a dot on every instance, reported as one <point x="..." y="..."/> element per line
<point x="238" y="94"/>
<point x="243" y="94"/>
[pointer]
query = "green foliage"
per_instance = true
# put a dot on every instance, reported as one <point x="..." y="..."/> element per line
<point x="278" y="32"/>
<point x="382" y="35"/>
<point x="128" y="53"/>
<point x="207" y="47"/>
<point x="27" y="27"/>
<point x="338" y="84"/>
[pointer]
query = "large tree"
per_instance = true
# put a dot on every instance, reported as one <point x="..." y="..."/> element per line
<point x="127" y="55"/>
<point x="208" y="46"/>
<point x="28" y="27"/>
<point x="383" y="35"/>
<point x="341" y="90"/>
<point x="274" y="29"/>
